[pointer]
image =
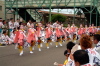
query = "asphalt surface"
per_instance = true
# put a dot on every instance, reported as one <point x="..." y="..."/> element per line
<point x="9" y="56"/>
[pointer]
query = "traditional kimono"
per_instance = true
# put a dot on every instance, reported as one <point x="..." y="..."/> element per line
<point x="16" y="36"/>
<point x="28" y="24"/>
<point x="86" y="30"/>
<point x="31" y="38"/>
<point x="1" y="25"/>
<point x="64" y="33"/>
<point x="68" y="29"/>
<point x="73" y="29"/>
<point x="5" y="39"/>
<point x="16" y="24"/>
<point x="94" y="30"/>
<point x="70" y="62"/>
<point x="48" y="32"/>
<point x="80" y="31"/>
<point x="12" y="36"/>
<point x="90" y="29"/>
<point x="21" y="37"/>
<point x="31" y="35"/>
<point x="58" y="32"/>
<point x="11" y="26"/>
<point x="39" y="31"/>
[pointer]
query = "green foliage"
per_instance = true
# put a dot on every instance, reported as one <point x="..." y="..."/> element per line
<point x="24" y="21"/>
<point x="59" y="17"/>
<point x="65" y="25"/>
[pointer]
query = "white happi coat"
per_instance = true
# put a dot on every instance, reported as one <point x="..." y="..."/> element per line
<point x="12" y="36"/>
<point x="11" y="25"/>
<point x="16" y="24"/>
<point x="97" y="47"/>
<point x="5" y="38"/>
<point x="94" y="56"/>
<point x="1" y="24"/>
<point x="70" y="62"/>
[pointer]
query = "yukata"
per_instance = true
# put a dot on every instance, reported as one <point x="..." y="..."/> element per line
<point x="94" y="56"/>
<point x="16" y="24"/>
<point x="31" y="35"/>
<point x="5" y="39"/>
<point x="97" y="47"/>
<point x="11" y="26"/>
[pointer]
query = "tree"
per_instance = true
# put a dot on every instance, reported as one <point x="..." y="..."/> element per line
<point x="58" y="17"/>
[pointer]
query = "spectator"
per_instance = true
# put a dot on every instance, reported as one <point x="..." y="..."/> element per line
<point x="1" y="24"/>
<point x="4" y="24"/>
<point x="96" y="41"/>
<point x="81" y="58"/>
<point x="5" y="38"/>
<point x="16" y="24"/>
<point x="69" y="46"/>
<point x="11" y="24"/>
<point x="29" y="23"/>
<point x="66" y="61"/>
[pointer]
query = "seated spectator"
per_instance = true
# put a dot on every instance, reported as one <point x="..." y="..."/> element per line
<point x="96" y="41"/>
<point x="81" y="58"/>
<point x="5" y="38"/>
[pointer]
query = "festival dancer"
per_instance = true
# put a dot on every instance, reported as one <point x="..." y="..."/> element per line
<point x="94" y="30"/>
<point x="69" y="32"/>
<point x="48" y="33"/>
<point x="80" y="31"/>
<point x="86" y="30"/>
<point x="20" y="39"/>
<point x="58" y="35"/>
<point x="39" y="35"/>
<point x="63" y="33"/>
<point x="32" y="37"/>
<point x="73" y="30"/>
<point x="90" y="30"/>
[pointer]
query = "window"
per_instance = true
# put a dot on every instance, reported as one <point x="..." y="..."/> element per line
<point x="0" y="8"/>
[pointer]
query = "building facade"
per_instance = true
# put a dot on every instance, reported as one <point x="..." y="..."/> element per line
<point x="2" y="11"/>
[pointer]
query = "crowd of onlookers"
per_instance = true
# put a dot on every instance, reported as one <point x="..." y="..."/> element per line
<point x="83" y="54"/>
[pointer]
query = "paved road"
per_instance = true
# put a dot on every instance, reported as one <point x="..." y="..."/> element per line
<point x="10" y="57"/>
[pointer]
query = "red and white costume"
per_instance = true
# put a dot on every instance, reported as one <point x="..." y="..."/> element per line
<point x="48" y="32"/>
<point x="58" y="32"/>
<point x="21" y="37"/>
<point x="31" y="35"/>
<point x="73" y="29"/>
<point x="39" y="31"/>
<point x="80" y="31"/>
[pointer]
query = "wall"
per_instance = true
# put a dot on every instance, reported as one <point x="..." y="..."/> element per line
<point x="2" y="12"/>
